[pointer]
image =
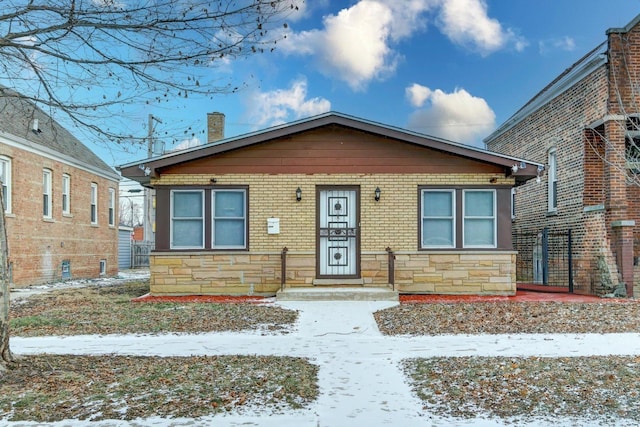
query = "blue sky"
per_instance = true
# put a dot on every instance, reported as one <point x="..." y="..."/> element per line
<point x="455" y="69"/>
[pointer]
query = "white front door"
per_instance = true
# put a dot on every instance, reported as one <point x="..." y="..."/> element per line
<point x="338" y="247"/>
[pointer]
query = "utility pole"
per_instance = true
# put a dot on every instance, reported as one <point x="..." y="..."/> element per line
<point x="149" y="194"/>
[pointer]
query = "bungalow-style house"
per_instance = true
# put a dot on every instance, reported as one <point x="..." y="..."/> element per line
<point x="332" y="200"/>
<point x="585" y="125"/>
<point x="59" y="199"/>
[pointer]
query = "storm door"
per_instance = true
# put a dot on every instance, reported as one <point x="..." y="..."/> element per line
<point x="338" y="233"/>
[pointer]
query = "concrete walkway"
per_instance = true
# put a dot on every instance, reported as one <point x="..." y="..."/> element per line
<point x="360" y="380"/>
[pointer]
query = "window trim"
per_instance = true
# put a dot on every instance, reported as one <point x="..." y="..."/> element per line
<point x="47" y="193"/>
<point x="6" y="161"/>
<point x="202" y="217"/>
<point x="514" y="192"/>
<point x="552" y="180"/>
<point x="494" y="217"/>
<point x="112" y="207"/>
<point x="66" y="194"/>
<point x="93" y="206"/>
<point x="244" y="218"/>
<point x="453" y="218"/>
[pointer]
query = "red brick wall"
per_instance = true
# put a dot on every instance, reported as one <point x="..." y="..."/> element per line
<point x="37" y="246"/>
<point x="591" y="170"/>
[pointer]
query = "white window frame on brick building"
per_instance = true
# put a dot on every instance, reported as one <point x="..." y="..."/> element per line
<point x="187" y="219"/>
<point x="229" y="219"/>
<point x="479" y="224"/>
<point x="5" y="177"/>
<point x="438" y="218"/>
<point x="112" y="207"/>
<point x="93" y="214"/>
<point x="66" y="194"/>
<point x="552" y="189"/>
<point x="46" y="194"/>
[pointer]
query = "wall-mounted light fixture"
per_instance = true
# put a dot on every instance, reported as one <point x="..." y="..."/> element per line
<point x="377" y="194"/>
<point x="514" y="168"/>
<point x="298" y="194"/>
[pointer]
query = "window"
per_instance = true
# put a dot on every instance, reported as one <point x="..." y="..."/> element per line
<point x="479" y="223"/>
<point x="513" y="203"/>
<point x="94" y="203"/>
<point x="112" y="206"/>
<point x="46" y="193"/>
<point x="229" y="219"/>
<point x="66" y="190"/>
<point x="103" y="267"/>
<point x="5" y="177"/>
<point x="187" y="219"/>
<point x="553" y="181"/>
<point x="438" y="219"/>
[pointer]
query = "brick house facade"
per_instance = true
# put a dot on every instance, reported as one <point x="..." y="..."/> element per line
<point x="60" y="199"/>
<point x="582" y="126"/>
<point x="338" y="193"/>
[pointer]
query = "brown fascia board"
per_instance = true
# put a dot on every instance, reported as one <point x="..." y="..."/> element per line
<point x="135" y="170"/>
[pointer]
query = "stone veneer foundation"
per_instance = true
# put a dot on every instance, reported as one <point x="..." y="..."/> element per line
<point x="259" y="273"/>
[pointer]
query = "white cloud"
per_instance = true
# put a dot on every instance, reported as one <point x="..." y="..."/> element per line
<point x="417" y="94"/>
<point x="284" y="105"/>
<point x="467" y="23"/>
<point x="356" y="45"/>
<point x="456" y="116"/>
<point x="566" y="44"/>
<point x="187" y="143"/>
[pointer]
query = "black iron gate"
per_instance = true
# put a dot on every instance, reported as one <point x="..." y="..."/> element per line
<point x="544" y="257"/>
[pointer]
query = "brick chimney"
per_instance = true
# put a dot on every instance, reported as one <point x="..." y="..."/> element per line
<point x="215" y="127"/>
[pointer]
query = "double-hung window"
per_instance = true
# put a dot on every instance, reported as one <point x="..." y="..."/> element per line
<point x="187" y="219"/>
<point x="229" y="219"/>
<point x="5" y="177"/>
<point x="94" y="203"/>
<point x="438" y="219"/>
<point x="553" y="181"/>
<point x="66" y="194"/>
<point x="46" y="193"/>
<point x="112" y="206"/>
<point x="479" y="223"/>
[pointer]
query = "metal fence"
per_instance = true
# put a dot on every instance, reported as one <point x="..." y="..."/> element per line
<point x="544" y="257"/>
<point x="140" y="253"/>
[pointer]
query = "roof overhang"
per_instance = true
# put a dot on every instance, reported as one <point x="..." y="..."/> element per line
<point x="142" y="171"/>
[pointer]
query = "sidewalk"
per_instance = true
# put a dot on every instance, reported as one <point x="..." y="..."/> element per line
<point x="360" y="381"/>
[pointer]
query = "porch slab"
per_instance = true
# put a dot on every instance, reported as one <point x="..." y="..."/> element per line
<point x="337" y="294"/>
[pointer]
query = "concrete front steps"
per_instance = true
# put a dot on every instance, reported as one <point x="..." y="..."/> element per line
<point x="335" y="293"/>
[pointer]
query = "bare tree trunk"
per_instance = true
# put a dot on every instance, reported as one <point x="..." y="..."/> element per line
<point x="5" y="353"/>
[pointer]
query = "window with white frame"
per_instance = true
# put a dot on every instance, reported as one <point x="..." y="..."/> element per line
<point x="438" y="219"/>
<point x="553" y="181"/>
<point x="112" y="206"/>
<point x="5" y="177"/>
<point x="94" y="203"/>
<point x="66" y="194"/>
<point x="46" y="193"/>
<point x="187" y="219"/>
<point x="479" y="222"/>
<point x="229" y="219"/>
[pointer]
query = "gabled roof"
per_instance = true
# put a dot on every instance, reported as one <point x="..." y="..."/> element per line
<point x="17" y="116"/>
<point x="142" y="170"/>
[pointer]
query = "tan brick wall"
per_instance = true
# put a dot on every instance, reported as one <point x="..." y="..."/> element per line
<point x="38" y="246"/>
<point x="274" y="196"/>
<point x="391" y="222"/>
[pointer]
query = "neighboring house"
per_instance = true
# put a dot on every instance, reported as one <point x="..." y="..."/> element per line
<point x="585" y="126"/>
<point x="339" y="193"/>
<point x="60" y="199"/>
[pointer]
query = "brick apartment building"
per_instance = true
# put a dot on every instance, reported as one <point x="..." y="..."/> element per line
<point x="60" y="199"/>
<point x="585" y="126"/>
